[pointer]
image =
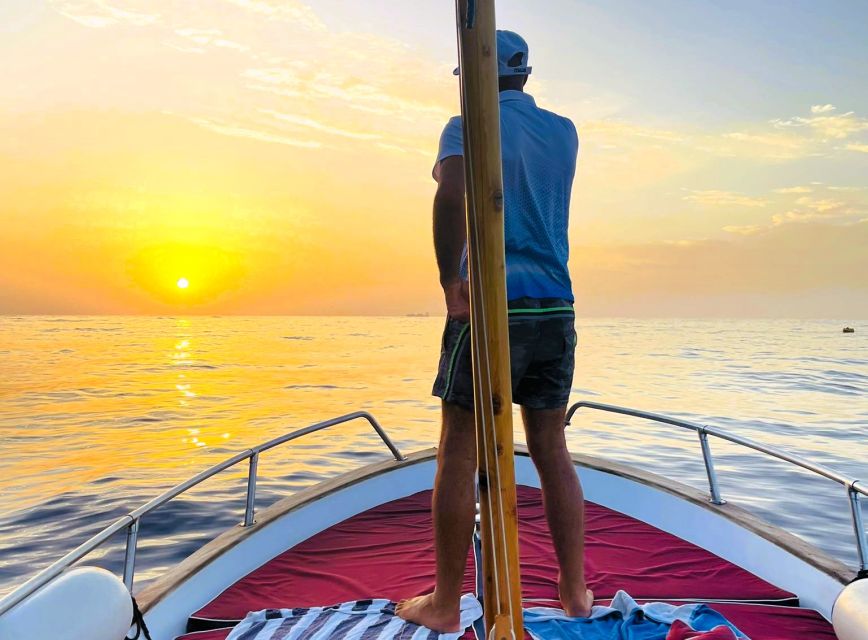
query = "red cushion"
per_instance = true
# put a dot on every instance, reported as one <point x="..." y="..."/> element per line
<point x="387" y="552"/>
<point x="769" y="622"/>
<point x="623" y="553"/>
<point x="214" y="634"/>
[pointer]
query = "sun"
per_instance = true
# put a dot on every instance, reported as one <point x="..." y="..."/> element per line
<point x="183" y="283"/>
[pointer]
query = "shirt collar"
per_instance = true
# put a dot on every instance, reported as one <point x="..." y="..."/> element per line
<point x="521" y="96"/>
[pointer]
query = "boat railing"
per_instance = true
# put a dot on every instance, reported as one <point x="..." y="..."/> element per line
<point x="855" y="489"/>
<point x="131" y="521"/>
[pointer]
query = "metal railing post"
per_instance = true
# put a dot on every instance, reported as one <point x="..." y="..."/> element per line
<point x="250" y="508"/>
<point x="858" y="527"/>
<point x="713" y="486"/>
<point x="130" y="555"/>
<point x="384" y="436"/>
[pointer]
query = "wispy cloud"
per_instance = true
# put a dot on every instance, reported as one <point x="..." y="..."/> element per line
<point x="288" y="66"/>
<point x="799" y="189"/>
<point x="826" y="123"/>
<point x="746" y="229"/>
<point x="254" y="134"/>
<point x="310" y="123"/>
<point x="842" y="209"/>
<point x="210" y="37"/>
<point x="820" y="205"/>
<point x="99" y="14"/>
<point x="723" y="198"/>
<point x="292" y="11"/>
<point x="779" y="140"/>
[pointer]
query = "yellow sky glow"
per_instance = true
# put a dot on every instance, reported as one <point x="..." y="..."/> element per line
<point x="281" y="165"/>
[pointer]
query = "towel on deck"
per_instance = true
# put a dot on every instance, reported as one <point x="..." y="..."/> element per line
<point x="628" y="620"/>
<point x="358" y="620"/>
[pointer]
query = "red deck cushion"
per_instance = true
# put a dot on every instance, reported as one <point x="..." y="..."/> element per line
<point x="387" y="552"/>
<point x="769" y="622"/>
<point x="623" y="553"/>
<point x="214" y="634"/>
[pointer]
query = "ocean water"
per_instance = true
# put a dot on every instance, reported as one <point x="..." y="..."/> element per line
<point x="99" y="414"/>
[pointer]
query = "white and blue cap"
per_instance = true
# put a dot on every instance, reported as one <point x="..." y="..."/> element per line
<point x="511" y="55"/>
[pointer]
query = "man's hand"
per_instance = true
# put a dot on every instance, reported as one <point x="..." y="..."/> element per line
<point x="457" y="300"/>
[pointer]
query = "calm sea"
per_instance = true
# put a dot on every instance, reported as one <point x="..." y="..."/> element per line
<point x="99" y="414"/>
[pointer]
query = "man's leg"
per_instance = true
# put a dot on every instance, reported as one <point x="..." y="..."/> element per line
<point x="454" y="512"/>
<point x="563" y="501"/>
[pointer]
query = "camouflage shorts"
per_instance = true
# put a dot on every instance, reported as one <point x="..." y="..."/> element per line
<point x="542" y="344"/>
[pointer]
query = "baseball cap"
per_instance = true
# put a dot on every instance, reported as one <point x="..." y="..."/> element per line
<point x="511" y="55"/>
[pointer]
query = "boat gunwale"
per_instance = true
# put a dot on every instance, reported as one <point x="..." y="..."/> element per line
<point x="155" y="592"/>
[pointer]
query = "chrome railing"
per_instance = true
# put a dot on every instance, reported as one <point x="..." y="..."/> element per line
<point x="130" y="522"/>
<point x="855" y="488"/>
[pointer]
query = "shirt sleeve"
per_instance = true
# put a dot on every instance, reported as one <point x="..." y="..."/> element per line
<point x="451" y="144"/>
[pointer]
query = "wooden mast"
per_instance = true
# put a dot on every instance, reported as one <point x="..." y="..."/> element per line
<point x="489" y="327"/>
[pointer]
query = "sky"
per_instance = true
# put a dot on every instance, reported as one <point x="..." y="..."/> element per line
<point x="276" y="154"/>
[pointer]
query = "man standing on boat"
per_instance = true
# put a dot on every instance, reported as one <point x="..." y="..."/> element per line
<point x="539" y="150"/>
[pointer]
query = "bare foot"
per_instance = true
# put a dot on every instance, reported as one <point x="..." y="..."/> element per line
<point x="424" y="611"/>
<point x="577" y="603"/>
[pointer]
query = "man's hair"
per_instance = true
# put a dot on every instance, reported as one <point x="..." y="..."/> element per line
<point x="512" y="83"/>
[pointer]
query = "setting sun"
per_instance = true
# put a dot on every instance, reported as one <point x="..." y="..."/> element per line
<point x="183" y="283"/>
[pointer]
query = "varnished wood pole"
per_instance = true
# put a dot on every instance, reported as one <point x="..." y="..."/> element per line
<point x="489" y="323"/>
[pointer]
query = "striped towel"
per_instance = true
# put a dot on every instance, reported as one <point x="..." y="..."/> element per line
<point x="357" y="620"/>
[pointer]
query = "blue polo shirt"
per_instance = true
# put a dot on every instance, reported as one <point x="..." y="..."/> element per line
<point x="539" y="150"/>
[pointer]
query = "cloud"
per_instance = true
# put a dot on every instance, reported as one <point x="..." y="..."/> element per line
<point x="855" y="146"/>
<point x="793" y="190"/>
<point x="298" y="13"/>
<point x="795" y="216"/>
<point x="283" y="64"/>
<point x="846" y="189"/>
<point x="723" y="198"/>
<point x="254" y="134"/>
<point x="763" y="144"/>
<point x="310" y="123"/>
<point x="804" y="209"/>
<point x="746" y="230"/>
<point x="837" y="126"/>
<point x="781" y="139"/>
<point x="666" y="279"/>
<point x="210" y="37"/>
<point x="822" y="206"/>
<point x="99" y="14"/>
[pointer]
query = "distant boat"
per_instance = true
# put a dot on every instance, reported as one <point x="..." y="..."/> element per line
<point x="849" y="330"/>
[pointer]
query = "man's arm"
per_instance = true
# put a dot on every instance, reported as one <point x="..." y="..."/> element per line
<point x="450" y="234"/>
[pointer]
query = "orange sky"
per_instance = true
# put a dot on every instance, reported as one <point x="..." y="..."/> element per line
<point x="278" y="156"/>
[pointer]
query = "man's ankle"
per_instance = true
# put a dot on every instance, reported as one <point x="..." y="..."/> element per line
<point x="445" y="602"/>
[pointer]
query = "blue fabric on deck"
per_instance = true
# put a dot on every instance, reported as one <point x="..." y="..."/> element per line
<point x="625" y="619"/>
